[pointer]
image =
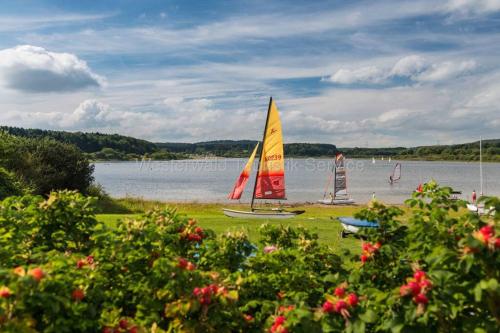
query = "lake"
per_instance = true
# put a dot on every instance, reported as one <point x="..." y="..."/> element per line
<point x="210" y="180"/>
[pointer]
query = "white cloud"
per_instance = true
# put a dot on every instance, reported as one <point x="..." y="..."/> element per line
<point x="413" y="67"/>
<point x="409" y="66"/>
<point x="34" y="69"/>
<point x="446" y="70"/>
<point x="370" y="74"/>
<point x="89" y="114"/>
<point x="472" y="7"/>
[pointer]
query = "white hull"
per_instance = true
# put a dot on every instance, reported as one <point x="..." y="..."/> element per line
<point x="258" y="214"/>
<point x="350" y="228"/>
<point x="347" y="201"/>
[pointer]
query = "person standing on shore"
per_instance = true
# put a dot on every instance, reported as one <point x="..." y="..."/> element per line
<point x="474" y="196"/>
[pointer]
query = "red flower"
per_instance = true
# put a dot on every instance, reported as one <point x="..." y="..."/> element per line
<point x="182" y="263"/>
<point x="352" y="299"/>
<point x="107" y="329"/>
<point x="37" y="273"/>
<point x="194" y="237"/>
<point x="377" y="245"/>
<point x="487" y="231"/>
<point x="339" y="291"/>
<point x="248" y="318"/>
<point x="190" y="266"/>
<point x="414" y="287"/>
<point x="419" y="275"/>
<point x="421" y="299"/>
<point x="425" y="284"/>
<point x="404" y="290"/>
<point x="328" y="307"/>
<point x="80" y="263"/>
<point x="133" y="329"/>
<point x="5" y="292"/>
<point x="364" y="258"/>
<point x="123" y="323"/>
<point x="280" y="320"/>
<point x="196" y="291"/>
<point x="90" y="260"/>
<point x="198" y="230"/>
<point x="340" y="305"/>
<point x="77" y="294"/>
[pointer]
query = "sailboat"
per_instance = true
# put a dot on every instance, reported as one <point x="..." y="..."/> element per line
<point x="474" y="207"/>
<point x="339" y="175"/>
<point x="396" y="174"/>
<point x="373" y="160"/>
<point x="270" y="179"/>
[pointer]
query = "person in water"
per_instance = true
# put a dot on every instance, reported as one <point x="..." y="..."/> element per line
<point x="474" y="196"/>
<point x="390" y="179"/>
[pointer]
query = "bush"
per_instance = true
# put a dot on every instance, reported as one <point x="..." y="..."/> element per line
<point x="8" y="184"/>
<point x="45" y="164"/>
<point x="63" y="271"/>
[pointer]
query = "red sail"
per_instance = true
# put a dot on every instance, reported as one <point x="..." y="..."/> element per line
<point x="239" y="186"/>
<point x="270" y="186"/>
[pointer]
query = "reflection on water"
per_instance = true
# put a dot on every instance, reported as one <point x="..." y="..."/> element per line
<point x="210" y="180"/>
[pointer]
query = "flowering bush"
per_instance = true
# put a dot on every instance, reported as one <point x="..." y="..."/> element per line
<point x="433" y="268"/>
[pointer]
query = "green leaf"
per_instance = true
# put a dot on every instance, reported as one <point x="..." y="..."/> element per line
<point x="369" y="316"/>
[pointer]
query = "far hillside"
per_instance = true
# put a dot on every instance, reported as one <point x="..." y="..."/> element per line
<point x="99" y="146"/>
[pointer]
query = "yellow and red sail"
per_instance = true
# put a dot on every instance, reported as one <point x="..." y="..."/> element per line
<point x="271" y="177"/>
<point x="242" y="180"/>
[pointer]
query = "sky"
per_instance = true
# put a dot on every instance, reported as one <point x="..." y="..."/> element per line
<point x="351" y="73"/>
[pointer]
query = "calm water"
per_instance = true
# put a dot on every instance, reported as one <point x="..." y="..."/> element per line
<point x="211" y="180"/>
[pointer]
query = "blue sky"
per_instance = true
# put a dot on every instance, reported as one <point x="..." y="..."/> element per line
<point x="352" y="73"/>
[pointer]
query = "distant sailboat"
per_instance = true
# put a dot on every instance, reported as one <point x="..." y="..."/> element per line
<point x="382" y="158"/>
<point x="339" y="175"/>
<point x="474" y="207"/>
<point x="270" y="179"/>
<point x="396" y="174"/>
<point x="373" y="160"/>
<point x="389" y="159"/>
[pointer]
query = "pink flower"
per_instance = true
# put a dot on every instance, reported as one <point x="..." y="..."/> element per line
<point x="270" y="249"/>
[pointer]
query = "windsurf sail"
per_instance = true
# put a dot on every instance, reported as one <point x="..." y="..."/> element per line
<point x="396" y="173"/>
<point x="340" y="182"/>
<point x="242" y="180"/>
<point x="270" y="182"/>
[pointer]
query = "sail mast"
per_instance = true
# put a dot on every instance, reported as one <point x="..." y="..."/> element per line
<point x="335" y="180"/>
<point x="481" y="164"/>
<point x="261" y="150"/>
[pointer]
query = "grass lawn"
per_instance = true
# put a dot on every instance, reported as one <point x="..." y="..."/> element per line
<point x="316" y="218"/>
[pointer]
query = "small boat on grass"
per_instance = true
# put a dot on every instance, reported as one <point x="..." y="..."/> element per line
<point x="270" y="179"/>
<point x="352" y="225"/>
<point x="339" y="196"/>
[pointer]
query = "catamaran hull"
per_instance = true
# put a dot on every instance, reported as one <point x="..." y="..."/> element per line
<point x="336" y="201"/>
<point x="259" y="215"/>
